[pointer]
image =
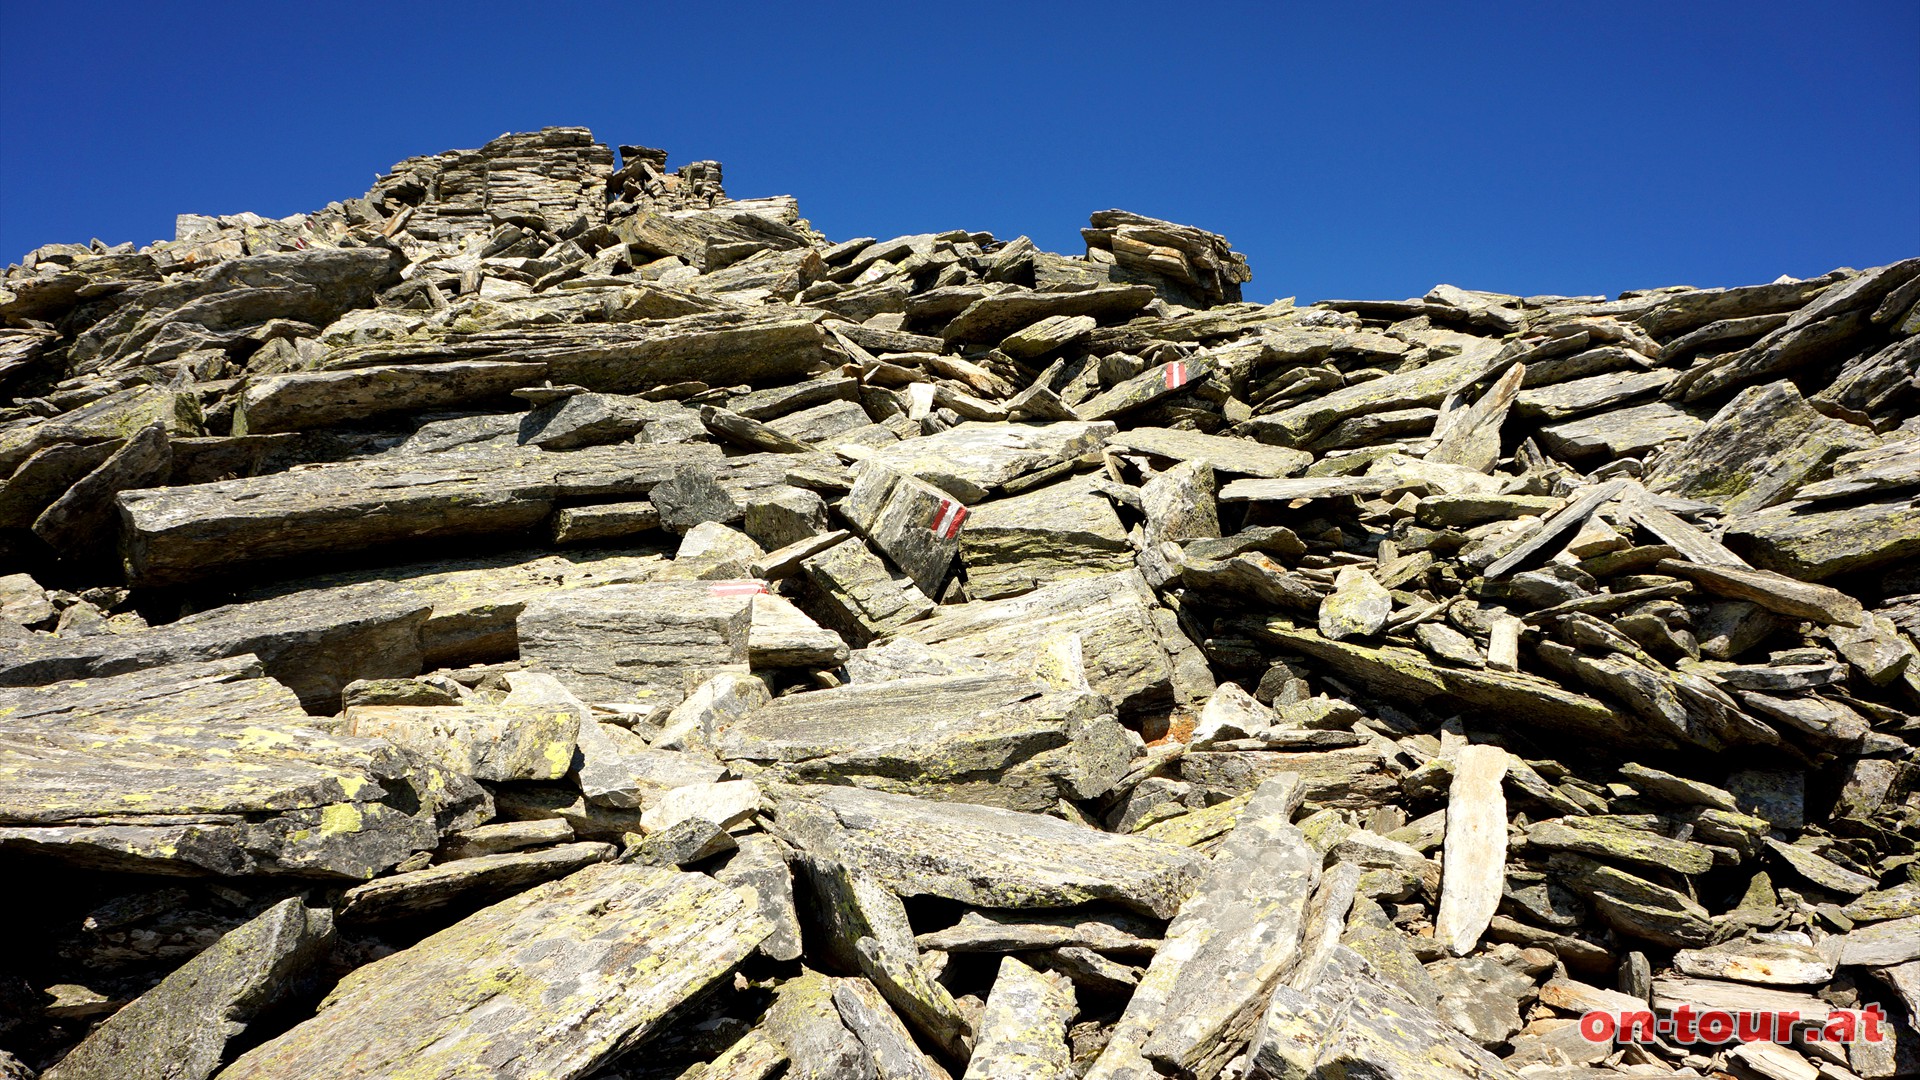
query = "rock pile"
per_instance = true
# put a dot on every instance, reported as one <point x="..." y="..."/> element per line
<point x="547" y="618"/>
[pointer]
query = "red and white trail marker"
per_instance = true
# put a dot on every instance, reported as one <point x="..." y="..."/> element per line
<point x="947" y="519"/>
<point x="737" y="588"/>
<point x="1176" y="374"/>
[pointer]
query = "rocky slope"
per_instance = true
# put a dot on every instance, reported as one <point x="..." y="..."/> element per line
<point x="549" y="618"/>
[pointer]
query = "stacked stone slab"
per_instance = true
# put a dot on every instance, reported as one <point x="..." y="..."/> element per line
<point x="545" y="619"/>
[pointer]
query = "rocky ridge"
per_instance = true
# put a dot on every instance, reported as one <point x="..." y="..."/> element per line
<point x="549" y="618"/>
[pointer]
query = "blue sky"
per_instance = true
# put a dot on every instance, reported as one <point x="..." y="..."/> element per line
<point x="1350" y="149"/>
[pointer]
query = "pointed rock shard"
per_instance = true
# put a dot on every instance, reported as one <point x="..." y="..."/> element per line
<point x="1474" y="870"/>
<point x="866" y="1013"/>
<point x="1179" y="504"/>
<point x="82" y="524"/>
<point x="1353" y="1023"/>
<point x="1357" y="607"/>
<point x="548" y="984"/>
<point x="1471" y="436"/>
<point x="180" y="1029"/>
<point x="1023" y="1032"/>
<point x="1230" y="944"/>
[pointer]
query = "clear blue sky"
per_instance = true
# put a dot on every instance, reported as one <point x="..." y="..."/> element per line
<point x="1349" y="148"/>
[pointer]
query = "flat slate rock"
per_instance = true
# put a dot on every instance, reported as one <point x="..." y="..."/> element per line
<point x="1023" y="1029"/>
<point x="310" y="399"/>
<point x="117" y="773"/>
<point x="181" y="534"/>
<point x="1063" y="530"/>
<point x="970" y="460"/>
<point x="985" y="855"/>
<point x="999" y="740"/>
<point x="1112" y="613"/>
<point x="180" y="1029"/>
<point x="642" y="642"/>
<point x="481" y="877"/>
<point x="550" y="983"/>
<point x="1352" y="1022"/>
<point x="1227" y="455"/>
<point x="314" y="643"/>
<point x="1230" y="944"/>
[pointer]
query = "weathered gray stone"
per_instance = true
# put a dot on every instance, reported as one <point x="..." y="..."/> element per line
<point x="649" y="642"/>
<point x="592" y="419"/>
<point x="1756" y="450"/>
<point x="23" y="601"/>
<point x="1227" y="455"/>
<point x="183" y="534"/>
<point x="852" y="592"/>
<point x="528" y="735"/>
<point x="970" y="460"/>
<point x="120" y="772"/>
<point x="992" y="318"/>
<point x="1608" y="838"/>
<point x="1298" y="425"/>
<point x="1231" y="942"/>
<point x="1352" y="1023"/>
<point x="709" y="551"/>
<point x="312" y="399"/>
<point x="1480" y="997"/>
<point x="914" y="524"/>
<point x="984" y="855"/>
<point x="1772" y="963"/>
<point x="482" y="877"/>
<point x="1179" y="504"/>
<point x="866" y="1013"/>
<point x="1357" y="607"/>
<point x="549" y="983"/>
<point x="1030" y="930"/>
<point x="1814" y="546"/>
<point x="1023" y="1031"/>
<point x="616" y="768"/>
<point x="81" y="525"/>
<point x="805" y="1023"/>
<point x="761" y="865"/>
<point x="180" y="1029"/>
<point x="1112" y="614"/>
<point x="1476" y="848"/>
<point x="1002" y="740"/>
<point x="781" y="636"/>
<point x="1618" y="434"/>
<point x="1062" y="530"/>
<point x="607" y="521"/>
